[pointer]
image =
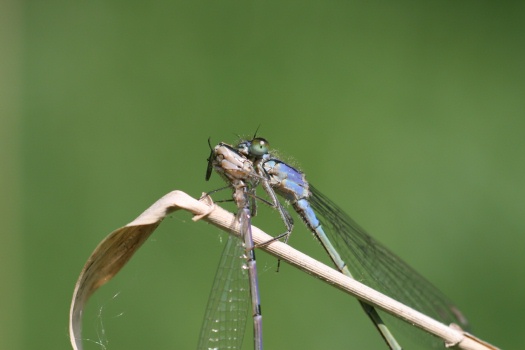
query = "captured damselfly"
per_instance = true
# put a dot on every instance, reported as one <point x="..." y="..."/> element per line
<point x="236" y="285"/>
<point x="349" y="246"/>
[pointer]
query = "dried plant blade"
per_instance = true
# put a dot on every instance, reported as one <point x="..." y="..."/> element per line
<point x="116" y="249"/>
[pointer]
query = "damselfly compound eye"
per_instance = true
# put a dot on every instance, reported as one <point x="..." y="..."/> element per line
<point x="259" y="147"/>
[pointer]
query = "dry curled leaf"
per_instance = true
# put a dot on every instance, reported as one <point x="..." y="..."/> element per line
<point x="116" y="249"/>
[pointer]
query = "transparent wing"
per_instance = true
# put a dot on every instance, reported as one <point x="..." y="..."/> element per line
<point x="226" y="313"/>
<point x="374" y="265"/>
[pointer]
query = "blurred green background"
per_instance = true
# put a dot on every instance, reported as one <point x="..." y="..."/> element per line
<point x="408" y="114"/>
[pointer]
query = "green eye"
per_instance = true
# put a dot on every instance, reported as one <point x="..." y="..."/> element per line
<point x="259" y="147"/>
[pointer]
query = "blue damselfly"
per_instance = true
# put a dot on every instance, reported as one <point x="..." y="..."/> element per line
<point x="349" y="246"/>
